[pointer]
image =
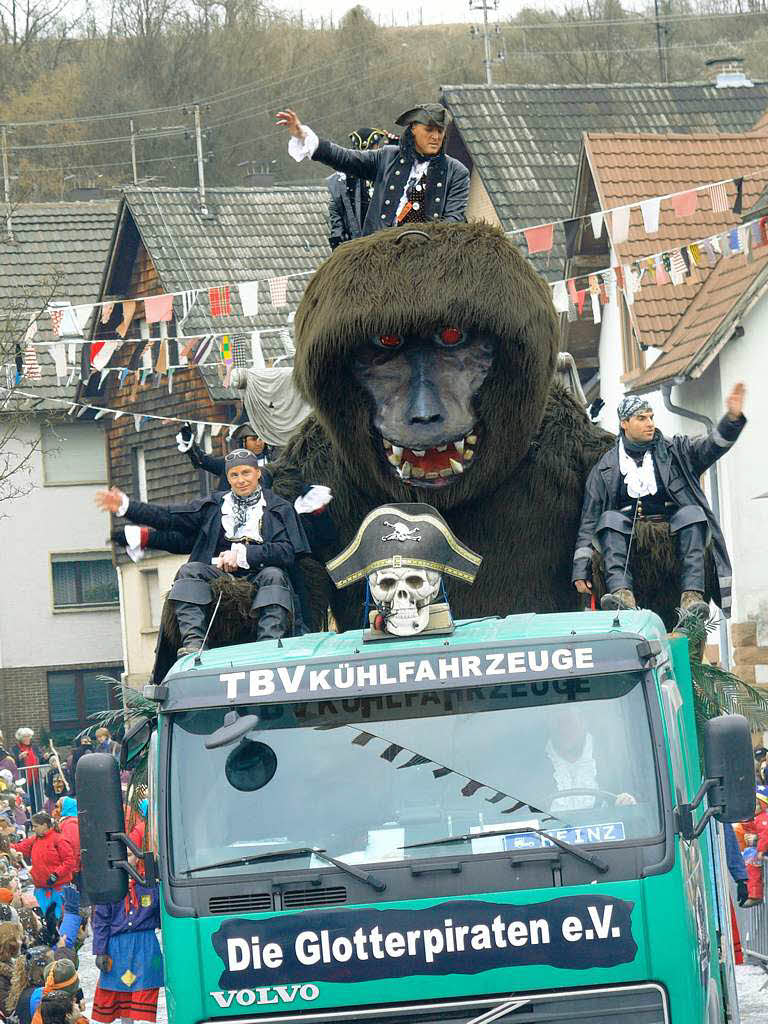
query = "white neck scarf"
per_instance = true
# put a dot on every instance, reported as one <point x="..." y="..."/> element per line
<point x="640" y="480"/>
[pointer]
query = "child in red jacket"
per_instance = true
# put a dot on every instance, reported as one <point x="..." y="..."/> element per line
<point x="758" y="827"/>
<point x="52" y="863"/>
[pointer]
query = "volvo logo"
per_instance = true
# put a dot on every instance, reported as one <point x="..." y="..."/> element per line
<point x="267" y="994"/>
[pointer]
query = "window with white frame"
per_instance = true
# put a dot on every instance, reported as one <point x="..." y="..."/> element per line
<point x="73" y="453"/>
<point x="83" y="580"/>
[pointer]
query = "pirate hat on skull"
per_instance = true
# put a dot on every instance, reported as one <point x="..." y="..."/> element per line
<point x="409" y="534"/>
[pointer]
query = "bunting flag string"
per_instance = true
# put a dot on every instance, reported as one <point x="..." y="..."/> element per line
<point x="101" y="410"/>
<point x="469" y="787"/>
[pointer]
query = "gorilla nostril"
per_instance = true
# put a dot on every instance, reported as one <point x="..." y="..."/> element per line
<point x="426" y="418"/>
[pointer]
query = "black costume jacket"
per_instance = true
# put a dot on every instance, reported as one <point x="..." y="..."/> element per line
<point x="447" y="188"/>
<point x="196" y="528"/>
<point x="345" y="208"/>
<point x="678" y="462"/>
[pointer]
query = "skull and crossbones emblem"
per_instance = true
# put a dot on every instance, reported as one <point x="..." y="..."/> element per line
<point x="401" y="532"/>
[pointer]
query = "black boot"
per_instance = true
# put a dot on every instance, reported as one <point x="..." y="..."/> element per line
<point x="191" y="619"/>
<point x="274" y="622"/>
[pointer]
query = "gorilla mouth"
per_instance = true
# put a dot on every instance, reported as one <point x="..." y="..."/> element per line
<point x="432" y="467"/>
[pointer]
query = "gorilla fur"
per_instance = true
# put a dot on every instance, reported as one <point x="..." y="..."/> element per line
<point x="519" y="503"/>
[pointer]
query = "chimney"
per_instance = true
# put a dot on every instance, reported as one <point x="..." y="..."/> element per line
<point x="729" y="73"/>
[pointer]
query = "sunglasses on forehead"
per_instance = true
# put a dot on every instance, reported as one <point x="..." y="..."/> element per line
<point x="238" y="453"/>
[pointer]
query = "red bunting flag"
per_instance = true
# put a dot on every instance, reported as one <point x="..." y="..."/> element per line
<point x="684" y="204"/>
<point x="220" y="301"/>
<point x="539" y="239"/>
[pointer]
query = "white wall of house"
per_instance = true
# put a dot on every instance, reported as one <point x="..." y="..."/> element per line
<point x="742" y="472"/>
<point x="53" y="519"/>
<point x="144" y="586"/>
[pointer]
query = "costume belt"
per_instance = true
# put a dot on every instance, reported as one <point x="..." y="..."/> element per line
<point x="654" y="517"/>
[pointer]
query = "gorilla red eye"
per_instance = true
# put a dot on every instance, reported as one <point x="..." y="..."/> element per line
<point x="390" y="340"/>
<point x="451" y="335"/>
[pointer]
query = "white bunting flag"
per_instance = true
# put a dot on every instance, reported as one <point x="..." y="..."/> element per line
<point x="596" y="314"/>
<point x="58" y="353"/>
<point x="137" y="418"/>
<point x="249" y="297"/>
<point x="257" y="353"/>
<point x="650" y="211"/>
<point x="620" y="225"/>
<point x="596" y="220"/>
<point x="278" y="291"/>
<point x="560" y="297"/>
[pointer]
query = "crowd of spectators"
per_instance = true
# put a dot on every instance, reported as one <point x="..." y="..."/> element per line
<point x="44" y="915"/>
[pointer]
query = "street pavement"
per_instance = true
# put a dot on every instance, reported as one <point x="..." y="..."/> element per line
<point x="752" y="983"/>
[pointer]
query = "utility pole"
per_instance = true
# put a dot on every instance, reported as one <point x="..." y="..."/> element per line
<point x="7" y="184"/>
<point x="200" y="158"/>
<point x="134" y="165"/>
<point x="661" y="32"/>
<point x="488" y="61"/>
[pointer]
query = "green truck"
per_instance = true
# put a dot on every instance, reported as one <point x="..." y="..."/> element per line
<point x="513" y="822"/>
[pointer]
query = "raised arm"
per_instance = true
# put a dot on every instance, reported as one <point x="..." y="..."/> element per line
<point x="704" y="451"/>
<point x="354" y="162"/>
<point x="185" y="518"/>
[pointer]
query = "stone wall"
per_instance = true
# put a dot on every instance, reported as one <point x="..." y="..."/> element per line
<point x="750" y="658"/>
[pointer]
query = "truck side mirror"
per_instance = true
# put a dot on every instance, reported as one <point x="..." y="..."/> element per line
<point x="101" y="819"/>
<point x="729" y="776"/>
<point x="135" y="741"/>
<point x="729" y="760"/>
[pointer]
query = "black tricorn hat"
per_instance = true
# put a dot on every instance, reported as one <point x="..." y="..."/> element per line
<point x="392" y="536"/>
<point x="425" y="113"/>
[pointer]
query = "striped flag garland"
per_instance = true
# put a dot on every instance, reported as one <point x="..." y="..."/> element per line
<point x="719" y="198"/>
<point x="31" y="365"/>
<point x="225" y="349"/>
<point x="201" y="348"/>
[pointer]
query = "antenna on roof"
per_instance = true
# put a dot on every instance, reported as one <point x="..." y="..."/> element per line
<point x="200" y="158"/>
<point x="7" y="182"/>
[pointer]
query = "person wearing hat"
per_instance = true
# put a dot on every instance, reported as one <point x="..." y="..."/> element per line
<point x="648" y="476"/>
<point x="128" y="955"/>
<point x="756" y="837"/>
<point x="29" y="757"/>
<point x="246" y="436"/>
<point x="413" y="182"/>
<point x="246" y="531"/>
<point x="350" y="196"/>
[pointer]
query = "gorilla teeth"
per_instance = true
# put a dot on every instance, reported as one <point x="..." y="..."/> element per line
<point x="459" y="446"/>
<point x="432" y="476"/>
<point x="398" y="451"/>
<point x="394" y="459"/>
<point x="417" y="472"/>
<point x="471" y="439"/>
<point x="441" y="447"/>
<point x="419" y="452"/>
<point x="468" y="454"/>
<point x="456" y="466"/>
<point x="405" y="470"/>
<point x="446" y="472"/>
<point x="387" y="444"/>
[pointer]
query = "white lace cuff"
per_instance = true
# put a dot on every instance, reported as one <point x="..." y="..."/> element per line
<point x="242" y="556"/>
<point x="304" y="147"/>
<point x="124" y="505"/>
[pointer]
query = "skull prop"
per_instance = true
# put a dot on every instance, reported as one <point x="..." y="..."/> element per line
<point x="403" y="597"/>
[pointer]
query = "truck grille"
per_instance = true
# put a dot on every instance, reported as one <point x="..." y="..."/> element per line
<point x="240" y="903"/>
<point x="630" y="1004"/>
<point x="314" y="897"/>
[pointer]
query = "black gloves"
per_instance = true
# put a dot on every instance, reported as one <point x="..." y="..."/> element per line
<point x="741" y="893"/>
<point x="103" y="962"/>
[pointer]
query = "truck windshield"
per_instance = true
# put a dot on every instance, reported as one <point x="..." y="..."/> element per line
<point x="379" y="779"/>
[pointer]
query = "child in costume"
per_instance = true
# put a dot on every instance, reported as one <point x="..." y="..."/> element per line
<point x="128" y="956"/>
<point x="756" y="848"/>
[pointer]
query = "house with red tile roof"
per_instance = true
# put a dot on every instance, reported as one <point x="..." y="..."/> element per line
<point x="685" y="344"/>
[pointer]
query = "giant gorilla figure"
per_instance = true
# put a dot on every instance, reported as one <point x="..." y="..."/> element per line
<point x="428" y="357"/>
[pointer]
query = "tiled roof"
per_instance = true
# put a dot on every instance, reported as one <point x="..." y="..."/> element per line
<point x="725" y="290"/>
<point x="58" y="252"/>
<point x="629" y="168"/>
<point x="525" y="140"/>
<point x="250" y="234"/>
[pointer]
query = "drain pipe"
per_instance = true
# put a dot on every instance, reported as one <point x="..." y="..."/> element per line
<point x="666" y="391"/>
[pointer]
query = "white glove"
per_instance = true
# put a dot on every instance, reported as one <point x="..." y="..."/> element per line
<point x="317" y="497"/>
<point x="182" y="444"/>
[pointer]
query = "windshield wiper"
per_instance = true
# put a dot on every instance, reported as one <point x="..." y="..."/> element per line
<point x="588" y="858"/>
<point x="297" y="851"/>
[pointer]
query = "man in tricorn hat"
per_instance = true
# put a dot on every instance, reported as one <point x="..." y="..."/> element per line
<point x="246" y="531"/>
<point x="648" y="476"/>
<point x="403" y="551"/>
<point x="414" y="182"/>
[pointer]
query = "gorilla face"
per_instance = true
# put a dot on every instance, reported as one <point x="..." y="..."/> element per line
<point x="422" y="390"/>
